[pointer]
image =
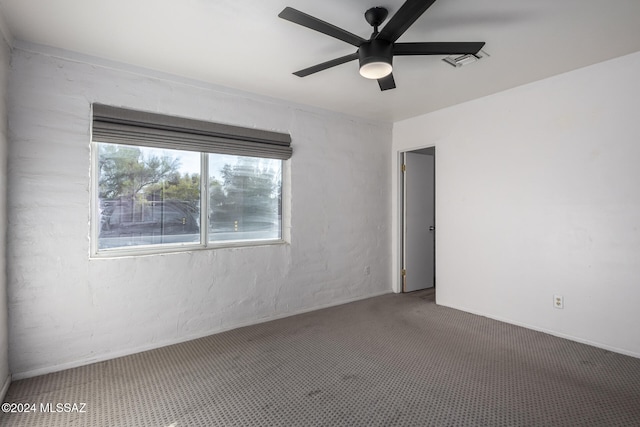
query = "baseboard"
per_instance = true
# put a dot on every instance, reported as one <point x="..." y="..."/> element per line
<point x="549" y="332"/>
<point x="116" y="354"/>
<point x="5" y="388"/>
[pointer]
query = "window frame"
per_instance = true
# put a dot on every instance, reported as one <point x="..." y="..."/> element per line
<point x="204" y="243"/>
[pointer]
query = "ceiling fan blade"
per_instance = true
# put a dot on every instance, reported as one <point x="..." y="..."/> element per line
<point x="437" y="48"/>
<point x="408" y="13"/>
<point x="325" y="65"/>
<point x="301" y="18"/>
<point x="387" y="82"/>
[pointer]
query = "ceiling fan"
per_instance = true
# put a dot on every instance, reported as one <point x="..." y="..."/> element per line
<point x="376" y="54"/>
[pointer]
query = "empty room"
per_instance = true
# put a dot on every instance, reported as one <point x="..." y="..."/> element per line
<point x="399" y="213"/>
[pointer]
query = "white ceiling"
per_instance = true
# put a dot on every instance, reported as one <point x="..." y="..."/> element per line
<point x="242" y="44"/>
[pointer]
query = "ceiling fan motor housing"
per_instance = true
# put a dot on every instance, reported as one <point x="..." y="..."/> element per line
<point x="375" y="53"/>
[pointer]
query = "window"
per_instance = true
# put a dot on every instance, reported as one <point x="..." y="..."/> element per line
<point x="245" y="198"/>
<point x="164" y="184"/>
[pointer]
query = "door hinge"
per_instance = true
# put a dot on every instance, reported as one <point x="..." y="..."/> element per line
<point x="403" y="272"/>
<point x="404" y="168"/>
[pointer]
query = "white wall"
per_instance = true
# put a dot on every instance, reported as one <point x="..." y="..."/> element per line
<point x="5" y="55"/>
<point x="67" y="309"/>
<point x="537" y="194"/>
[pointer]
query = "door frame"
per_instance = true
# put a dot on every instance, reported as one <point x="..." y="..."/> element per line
<point x="398" y="282"/>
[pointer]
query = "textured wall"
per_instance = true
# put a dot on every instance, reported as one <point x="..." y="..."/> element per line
<point x="67" y="309"/>
<point x="537" y="194"/>
<point x="5" y="56"/>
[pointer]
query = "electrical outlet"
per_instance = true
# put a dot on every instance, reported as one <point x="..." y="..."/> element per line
<point x="367" y="270"/>
<point x="558" y="301"/>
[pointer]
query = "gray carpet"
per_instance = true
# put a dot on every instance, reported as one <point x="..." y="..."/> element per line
<point x="386" y="361"/>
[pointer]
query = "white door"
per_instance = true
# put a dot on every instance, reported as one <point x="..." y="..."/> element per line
<point x="418" y="220"/>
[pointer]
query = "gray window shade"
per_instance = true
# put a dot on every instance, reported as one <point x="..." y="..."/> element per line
<point x="122" y="126"/>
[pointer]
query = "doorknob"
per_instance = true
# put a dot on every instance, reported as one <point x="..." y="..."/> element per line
<point x="432" y="228"/>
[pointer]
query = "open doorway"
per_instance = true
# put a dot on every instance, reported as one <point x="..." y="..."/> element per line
<point x="417" y="177"/>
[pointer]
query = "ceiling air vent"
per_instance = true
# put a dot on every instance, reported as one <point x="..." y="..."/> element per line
<point x="460" y="60"/>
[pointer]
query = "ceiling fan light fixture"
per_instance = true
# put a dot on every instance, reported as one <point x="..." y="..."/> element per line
<point x="375" y="59"/>
<point x="375" y="70"/>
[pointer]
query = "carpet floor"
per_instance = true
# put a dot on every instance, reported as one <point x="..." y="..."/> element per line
<point x="394" y="360"/>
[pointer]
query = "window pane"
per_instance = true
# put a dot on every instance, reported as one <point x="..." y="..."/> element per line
<point x="245" y="195"/>
<point x="147" y="196"/>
